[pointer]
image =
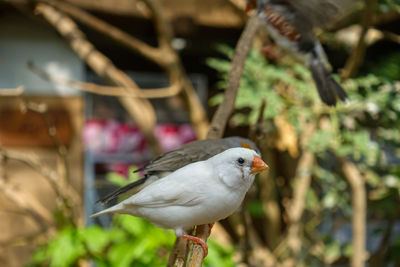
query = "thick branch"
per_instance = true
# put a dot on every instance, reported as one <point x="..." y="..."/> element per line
<point x="164" y="56"/>
<point x="357" y="55"/>
<point x="175" y="70"/>
<point x="224" y="111"/>
<point x="115" y="33"/>
<point x="359" y="203"/>
<point x="164" y="30"/>
<point x="140" y="109"/>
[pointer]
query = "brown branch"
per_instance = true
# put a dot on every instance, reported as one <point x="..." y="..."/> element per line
<point x="302" y="184"/>
<point x="12" y="91"/>
<point x="359" y="203"/>
<point x="356" y="58"/>
<point x="107" y="90"/>
<point x="164" y="30"/>
<point x="164" y="56"/>
<point x="175" y="70"/>
<point x="140" y="109"/>
<point x="224" y="111"/>
<point x="115" y="33"/>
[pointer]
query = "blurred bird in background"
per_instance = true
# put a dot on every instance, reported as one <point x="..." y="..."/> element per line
<point x="291" y="25"/>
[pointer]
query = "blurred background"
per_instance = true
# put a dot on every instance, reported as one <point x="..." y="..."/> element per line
<point x="92" y="90"/>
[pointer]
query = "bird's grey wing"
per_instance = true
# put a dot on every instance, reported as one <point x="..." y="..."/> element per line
<point x="191" y="152"/>
<point x="323" y="13"/>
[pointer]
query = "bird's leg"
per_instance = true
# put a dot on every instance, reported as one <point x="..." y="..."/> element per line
<point x="199" y="241"/>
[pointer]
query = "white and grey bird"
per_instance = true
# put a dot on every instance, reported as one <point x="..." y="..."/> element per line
<point x="176" y="159"/>
<point x="199" y="193"/>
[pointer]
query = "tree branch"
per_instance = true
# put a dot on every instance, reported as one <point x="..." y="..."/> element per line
<point x="134" y="44"/>
<point x="302" y="184"/>
<point x="140" y="109"/>
<point x="224" y="110"/>
<point x="107" y="90"/>
<point x="164" y="56"/>
<point x="223" y="113"/>
<point x="359" y="203"/>
<point x="355" y="60"/>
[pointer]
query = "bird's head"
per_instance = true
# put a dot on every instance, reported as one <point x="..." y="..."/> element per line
<point x="236" y="166"/>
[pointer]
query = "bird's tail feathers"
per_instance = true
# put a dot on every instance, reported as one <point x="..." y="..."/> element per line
<point x="128" y="189"/>
<point x="113" y="209"/>
<point x="328" y="88"/>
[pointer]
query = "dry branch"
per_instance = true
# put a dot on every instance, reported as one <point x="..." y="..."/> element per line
<point x="297" y="205"/>
<point x="164" y="56"/>
<point x="357" y="55"/>
<point x="359" y="204"/>
<point x="223" y="113"/>
<point x="224" y="110"/>
<point x="107" y="90"/>
<point x="140" y="109"/>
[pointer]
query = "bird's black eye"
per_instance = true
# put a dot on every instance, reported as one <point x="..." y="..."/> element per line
<point x="240" y="161"/>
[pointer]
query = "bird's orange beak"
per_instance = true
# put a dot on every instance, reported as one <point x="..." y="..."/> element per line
<point x="258" y="165"/>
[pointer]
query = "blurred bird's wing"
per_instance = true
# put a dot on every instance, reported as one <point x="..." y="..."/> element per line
<point x="324" y="13"/>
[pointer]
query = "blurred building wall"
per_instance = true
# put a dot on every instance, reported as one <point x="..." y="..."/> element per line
<point x="25" y="38"/>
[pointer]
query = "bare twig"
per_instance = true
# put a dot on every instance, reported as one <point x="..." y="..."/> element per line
<point x="357" y="55"/>
<point x="224" y="110"/>
<point x="12" y="91"/>
<point x="302" y="184"/>
<point x="359" y="203"/>
<point x="164" y="56"/>
<point x="107" y="90"/>
<point x="223" y="113"/>
<point x="140" y="109"/>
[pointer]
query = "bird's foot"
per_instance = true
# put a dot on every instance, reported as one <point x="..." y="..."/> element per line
<point x="199" y="241"/>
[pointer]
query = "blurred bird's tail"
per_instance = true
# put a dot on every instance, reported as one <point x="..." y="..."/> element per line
<point x="328" y="88"/>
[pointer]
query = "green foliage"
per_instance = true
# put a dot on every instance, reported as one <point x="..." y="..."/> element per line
<point x="365" y="129"/>
<point x="130" y="241"/>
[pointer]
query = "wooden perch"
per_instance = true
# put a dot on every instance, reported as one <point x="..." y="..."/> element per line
<point x="140" y="109"/>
